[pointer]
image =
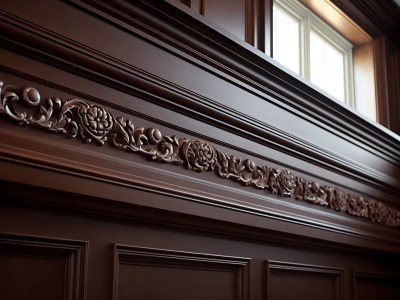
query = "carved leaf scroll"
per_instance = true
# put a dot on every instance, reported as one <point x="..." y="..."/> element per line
<point x="92" y="123"/>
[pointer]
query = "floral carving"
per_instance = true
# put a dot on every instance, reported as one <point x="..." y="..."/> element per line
<point x="92" y="123"/>
<point x="95" y="122"/>
<point x="197" y="155"/>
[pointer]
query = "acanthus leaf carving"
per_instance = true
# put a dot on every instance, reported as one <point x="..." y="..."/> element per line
<point x="92" y="123"/>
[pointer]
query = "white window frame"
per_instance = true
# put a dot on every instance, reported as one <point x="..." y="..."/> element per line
<point x="311" y="22"/>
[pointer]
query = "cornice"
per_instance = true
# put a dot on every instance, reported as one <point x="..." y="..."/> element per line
<point x="92" y="123"/>
<point x="32" y="40"/>
<point x="204" y="41"/>
<point x="193" y="34"/>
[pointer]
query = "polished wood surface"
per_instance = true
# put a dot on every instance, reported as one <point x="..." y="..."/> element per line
<point x="133" y="136"/>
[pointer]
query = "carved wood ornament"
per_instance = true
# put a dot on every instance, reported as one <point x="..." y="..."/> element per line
<point x="92" y="123"/>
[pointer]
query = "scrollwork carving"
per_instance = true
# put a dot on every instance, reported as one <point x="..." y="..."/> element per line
<point x="92" y="123"/>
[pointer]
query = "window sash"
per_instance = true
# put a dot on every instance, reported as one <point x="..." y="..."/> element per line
<point x="310" y="22"/>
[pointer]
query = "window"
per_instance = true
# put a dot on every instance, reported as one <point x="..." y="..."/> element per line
<point x="309" y="47"/>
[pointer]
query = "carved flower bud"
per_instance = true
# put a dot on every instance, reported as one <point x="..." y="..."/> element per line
<point x="31" y="96"/>
<point x="154" y="135"/>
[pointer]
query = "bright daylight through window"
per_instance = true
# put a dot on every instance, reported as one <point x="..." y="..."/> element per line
<point x="305" y="44"/>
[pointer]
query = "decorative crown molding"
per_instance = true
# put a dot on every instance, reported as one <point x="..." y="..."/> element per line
<point x="92" y="123"/>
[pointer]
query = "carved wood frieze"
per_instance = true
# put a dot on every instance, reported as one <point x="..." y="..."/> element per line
<point x="92" y="123"/>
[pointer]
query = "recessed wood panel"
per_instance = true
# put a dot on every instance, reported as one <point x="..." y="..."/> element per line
<point x="288" y="281"/>
<point x="38" y="268"/>
<point x="229" y="14"/>
<point x="31" y="278"/>
<point x="143" y="273"/>
<point x="376" y="286"/>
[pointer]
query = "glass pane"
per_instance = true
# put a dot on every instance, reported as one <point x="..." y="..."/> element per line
<point x="327" y="66"/>
<point x="286" y="39"/>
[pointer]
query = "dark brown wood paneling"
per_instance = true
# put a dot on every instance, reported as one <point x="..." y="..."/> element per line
<point x="360" y="160"/>
<point x="394" y="89"/>
<point x="108" y="222"/>
<point x="291" y="281"/>
<point x="196" y="5"/>
<point x="234" y="16"/>
<point x="369" y="286"/>
<point x="146" y="273"/>
<point x="229" y="14"/>
<point x="265" y="26"/>
<point x="212" y="103"/>
<point x="380" y="54"/>
<point x="40" y="268"/>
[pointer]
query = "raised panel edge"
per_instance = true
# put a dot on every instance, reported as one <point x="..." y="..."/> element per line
<point x="372" y="275"/>
<point x="337" y="273"/>
<point x="173" y="258"/>
<point x="74" y="252"/>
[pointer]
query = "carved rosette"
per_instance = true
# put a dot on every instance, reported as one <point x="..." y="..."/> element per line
<point x="197" y="155"/>
<point x="92" y="123"/>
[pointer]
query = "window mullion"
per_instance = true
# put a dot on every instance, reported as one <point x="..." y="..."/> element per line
<point x="349" y="75"/>
<point x="305" y="39"/>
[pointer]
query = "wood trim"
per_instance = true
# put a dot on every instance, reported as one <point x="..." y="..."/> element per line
<point x="328" y="109"/>
<point x="258" y="131"/>
<point x="396" y="87"/>
<point x="75" y="254"/>
<point x="56" y="176"/>
<point x="328" y="12"/>
<point x="268" y="26"/>
<point x="371" y="70"/>
<point x="336" y="273"/>
<point x="93" y="123"/>
<point x="377" y="18"/>
<point x="365" y="88"/>
<point x="87" y="62"/>
<point x="250" y="22"/>
<point x="393" y="278"/>
<point x="133" y="255"/>
<point x="381" y="78"/>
